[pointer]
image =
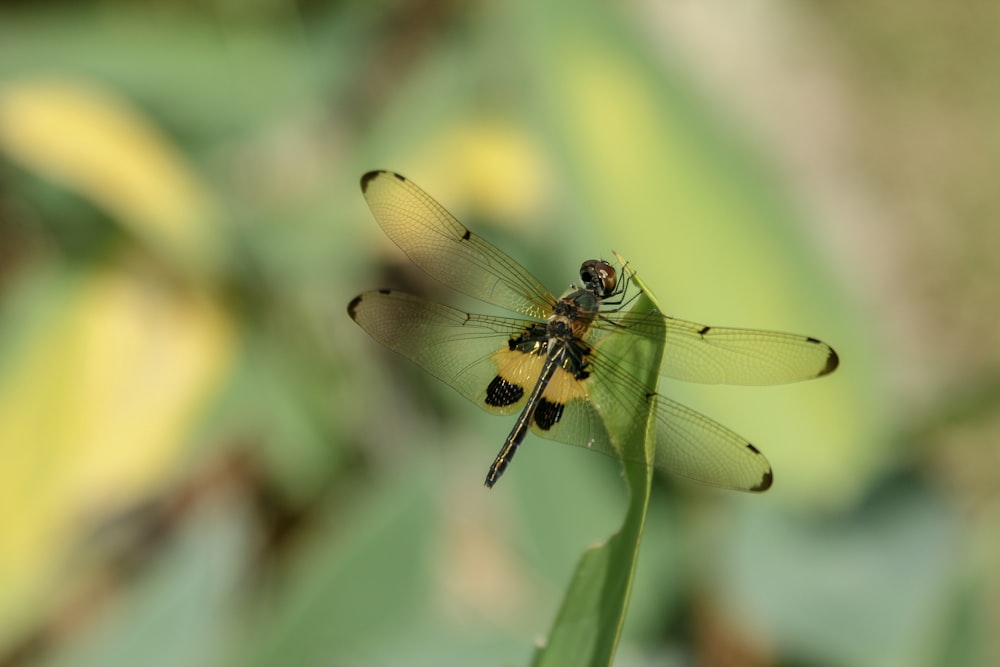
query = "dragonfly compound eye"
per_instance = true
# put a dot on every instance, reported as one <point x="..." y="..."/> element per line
<point x="599" y="277"/>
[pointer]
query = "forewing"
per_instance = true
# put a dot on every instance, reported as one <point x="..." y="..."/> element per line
<point x="724" y="355"/>
<point x="442" y="247"/>
<point x="451" y="345"/>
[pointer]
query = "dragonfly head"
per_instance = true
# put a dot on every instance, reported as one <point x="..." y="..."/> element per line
<point x="599" y="277"/>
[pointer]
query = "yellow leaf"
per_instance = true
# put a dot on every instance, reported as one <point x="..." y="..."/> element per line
<point x="95" y="410"/>
<point x="94" y="143"/>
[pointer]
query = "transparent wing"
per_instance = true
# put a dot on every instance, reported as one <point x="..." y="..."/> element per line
<point x="723" y="355"/>
<point x="442" y="247"/>
<point x="691" y="445"/>
<point x="459" y="348"/>
<point x="451" y="345"/>
<point x="688" y="443"/>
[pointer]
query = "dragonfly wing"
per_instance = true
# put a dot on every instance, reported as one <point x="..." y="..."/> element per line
<point x="724" y="355"/>
<point x="691" y="445"/>
<point x="688" y="444"/>
<point x="462" y="350"/>
<point x="443" y="248"/>
<point x="451" y="345"/>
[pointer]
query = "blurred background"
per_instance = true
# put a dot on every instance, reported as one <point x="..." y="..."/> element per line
<point x="204" y="462"/>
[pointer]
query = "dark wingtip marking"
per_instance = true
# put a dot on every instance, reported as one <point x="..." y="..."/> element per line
<point x="704" y="330"/>
<point x="832" y="362"/>
<point x="352" y="307"/>
<point x="765" y="482"/>
<point x="399" y="177"/>
<point x="467" y="235"/>
<point x="367" y="178"/>
<point x="752" y="448"/>
<point x="383" y="290"/>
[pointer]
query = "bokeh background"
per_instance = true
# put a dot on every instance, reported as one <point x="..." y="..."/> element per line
<point x="204" y="462"/>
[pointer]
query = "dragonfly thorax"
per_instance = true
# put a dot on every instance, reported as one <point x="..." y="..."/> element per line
<point x="540" y="340"/>
<point x="573" y="314"/>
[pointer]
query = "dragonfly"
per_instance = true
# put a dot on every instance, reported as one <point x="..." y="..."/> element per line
<point x="553" y="367"/>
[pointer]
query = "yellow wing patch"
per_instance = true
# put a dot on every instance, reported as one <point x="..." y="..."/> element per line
<point x="522" y="369"/>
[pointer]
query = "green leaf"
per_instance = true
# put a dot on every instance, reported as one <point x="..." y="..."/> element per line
<point x="592" y="615"/>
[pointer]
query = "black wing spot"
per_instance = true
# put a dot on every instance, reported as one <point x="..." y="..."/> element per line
<point x="765" y="482"/>
<point x="352" y="307"/>
<point x="398" y="176"/>
<point x="548" y="414"/>
<point x="704" y="330"/>
<point x="832" y="362"/>
<point x="367" y="178"/>
<point x="467" y="235"/>
<point x="501" y="393"/>
<point x="752" y="448"/>
<point x="534" y="340"/>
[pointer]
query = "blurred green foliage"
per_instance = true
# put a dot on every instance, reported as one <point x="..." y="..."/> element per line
<point x="206" y="463"/>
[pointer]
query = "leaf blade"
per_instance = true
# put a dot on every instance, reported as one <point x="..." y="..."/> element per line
<point x="588" y="625"/>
